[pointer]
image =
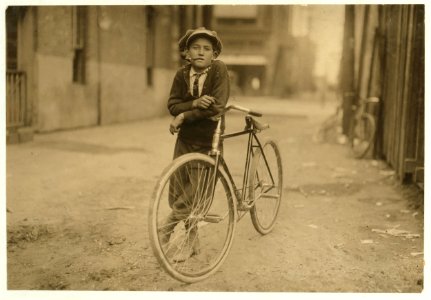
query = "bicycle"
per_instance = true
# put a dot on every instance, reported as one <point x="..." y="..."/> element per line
<point x="363" y="128"/>
<point x="331" y="130"/>
<point x="215" y="203"/>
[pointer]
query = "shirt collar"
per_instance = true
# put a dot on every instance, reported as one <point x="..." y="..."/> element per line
<point x="193" y="72"/>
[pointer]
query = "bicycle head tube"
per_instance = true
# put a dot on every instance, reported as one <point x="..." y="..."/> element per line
<point x="216" y="139"/>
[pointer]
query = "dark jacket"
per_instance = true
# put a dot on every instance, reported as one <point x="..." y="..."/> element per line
<point x="197" y="127"/>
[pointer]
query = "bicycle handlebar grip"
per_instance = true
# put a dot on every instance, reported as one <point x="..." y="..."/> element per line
<point x="246" y="110"/>
<point x="255" y="113"/>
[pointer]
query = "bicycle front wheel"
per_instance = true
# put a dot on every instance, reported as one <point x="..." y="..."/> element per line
<point x="192" y="227"/>
<point x="362" y="136"/>
<point x="265" y="187"/>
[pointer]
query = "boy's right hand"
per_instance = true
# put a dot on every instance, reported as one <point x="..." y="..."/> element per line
<point x="176" y="123"/>
<point x="203" y="102"/>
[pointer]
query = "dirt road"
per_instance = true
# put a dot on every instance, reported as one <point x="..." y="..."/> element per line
<point x="77" y="217"/>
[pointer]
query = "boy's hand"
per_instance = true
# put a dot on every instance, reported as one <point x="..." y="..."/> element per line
<point x="203" y="102"/>
<point x="176" y="123"/>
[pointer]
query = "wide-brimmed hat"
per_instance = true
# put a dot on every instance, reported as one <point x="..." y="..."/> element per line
<point x="193" y="34"/>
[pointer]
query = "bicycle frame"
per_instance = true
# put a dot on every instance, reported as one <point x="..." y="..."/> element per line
<point x="208" y="212"/>
<point x="253" y="142"/>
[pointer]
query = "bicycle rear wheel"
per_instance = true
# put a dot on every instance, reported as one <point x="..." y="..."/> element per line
<point x="362" y="137"/>
<point x="203" y="224"/>
<point x="265" y="187"/>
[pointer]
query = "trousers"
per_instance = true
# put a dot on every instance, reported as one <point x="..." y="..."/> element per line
<point x="187" y="186"/>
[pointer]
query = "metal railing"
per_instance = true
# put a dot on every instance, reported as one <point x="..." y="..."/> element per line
<point x="16" y="99"/>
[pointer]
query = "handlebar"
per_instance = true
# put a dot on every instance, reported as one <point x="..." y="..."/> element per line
<point x="364" y="101"/>
<point x="245" y="110"/>
<point x="239" y="108"/>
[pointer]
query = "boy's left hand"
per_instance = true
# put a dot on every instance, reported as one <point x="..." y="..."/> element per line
<point x="176" y="123"/>
<point x="203" y="102"/>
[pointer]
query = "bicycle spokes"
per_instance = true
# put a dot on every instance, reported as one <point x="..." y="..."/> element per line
<point x="194" y="228"/>
<point x="362" y="136"/>
<point x="266" y="187"/>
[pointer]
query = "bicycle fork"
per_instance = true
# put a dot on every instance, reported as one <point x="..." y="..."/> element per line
<point x="215" y="152"/>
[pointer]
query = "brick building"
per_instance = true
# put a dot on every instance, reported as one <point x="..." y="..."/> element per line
<point x="74" y="66"/>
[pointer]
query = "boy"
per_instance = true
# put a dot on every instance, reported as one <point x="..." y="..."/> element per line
<point x="199" y="91"/>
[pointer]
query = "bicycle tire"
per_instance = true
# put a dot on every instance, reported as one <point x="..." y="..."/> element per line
<point x="362" y="137"/>
<point x="328" y="127"/>
<point x="269" y="198"/>
<point x="215" y="235"/>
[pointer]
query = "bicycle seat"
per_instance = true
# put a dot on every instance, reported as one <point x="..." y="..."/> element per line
<point x="259" y="126"/>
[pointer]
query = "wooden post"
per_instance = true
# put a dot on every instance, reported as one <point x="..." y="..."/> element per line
<point x="347" y="67"/>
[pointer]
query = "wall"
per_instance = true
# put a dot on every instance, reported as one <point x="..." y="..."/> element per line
<point x="389" y="64"/>
<point x="26" y="55"/>
<point x="116" y="88"/>
<point x="402" y="118"/>
<point x="61" y="104"/>
<point x="123" y="65"/>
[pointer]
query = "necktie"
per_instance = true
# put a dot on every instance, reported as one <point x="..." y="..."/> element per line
<point x="195" y="89"/>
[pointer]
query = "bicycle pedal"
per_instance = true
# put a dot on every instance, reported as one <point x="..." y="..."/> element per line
<point x="213" y="218"/>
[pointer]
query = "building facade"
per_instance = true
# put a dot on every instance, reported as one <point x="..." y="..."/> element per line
<point x="84" y="66"/>
<point x="267" y="48"/>
<point x="78" y="66"/>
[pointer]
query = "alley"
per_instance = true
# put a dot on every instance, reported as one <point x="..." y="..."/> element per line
<point x="77" y="213"/>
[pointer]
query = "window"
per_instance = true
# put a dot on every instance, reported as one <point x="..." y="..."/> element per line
<point x="79" y="23"/>
<point x="12" y="14"/>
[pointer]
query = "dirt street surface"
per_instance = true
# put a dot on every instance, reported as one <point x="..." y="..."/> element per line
<point x="77" y="213"/>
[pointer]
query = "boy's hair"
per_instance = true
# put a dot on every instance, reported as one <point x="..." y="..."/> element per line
<point x="192" y="34"/>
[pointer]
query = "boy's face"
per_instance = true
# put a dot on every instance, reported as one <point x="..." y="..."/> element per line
<point x="201" y="54"/>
